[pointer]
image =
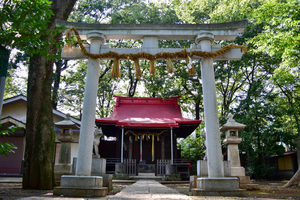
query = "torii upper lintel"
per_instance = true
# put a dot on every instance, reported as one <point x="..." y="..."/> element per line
<point x="221" y="31"/>
<point x="151" y="33"/>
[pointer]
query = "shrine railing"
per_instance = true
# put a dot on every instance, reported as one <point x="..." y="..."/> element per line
<point x="112" y="161"/>
<point x="131" y="166"/>
<point x="181" y="161"/>
<point x="161" y="166"/>
<point x="110" y="164"/>
<point x="182" y="166"/>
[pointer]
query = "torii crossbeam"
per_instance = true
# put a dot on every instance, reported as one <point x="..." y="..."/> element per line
<point x="204" y="35"/>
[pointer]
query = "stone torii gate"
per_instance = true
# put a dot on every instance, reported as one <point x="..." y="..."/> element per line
<point x="204" y="35"/>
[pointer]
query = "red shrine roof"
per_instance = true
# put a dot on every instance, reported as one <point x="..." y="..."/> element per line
<point x="147" y="112"/>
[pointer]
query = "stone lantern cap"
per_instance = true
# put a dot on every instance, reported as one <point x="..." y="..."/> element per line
<point x="66" y="123"/>
<point x="232" y="124"/>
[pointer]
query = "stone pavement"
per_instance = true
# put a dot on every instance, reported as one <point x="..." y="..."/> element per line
<point x="142" y="189"/>
<point x="148" y="189"/>
<point x="10" y="179"/>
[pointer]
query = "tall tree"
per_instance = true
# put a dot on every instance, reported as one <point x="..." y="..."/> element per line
<point x="280" y="38"/>
<point x="262" y="138"/>
<point x="40" y="136"/>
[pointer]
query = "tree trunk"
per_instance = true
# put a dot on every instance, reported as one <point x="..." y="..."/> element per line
<point x="295" y="180"/>
<point x="132" y="87"/>
<point x="40" y="136"/>
<point x="60" y="66"/>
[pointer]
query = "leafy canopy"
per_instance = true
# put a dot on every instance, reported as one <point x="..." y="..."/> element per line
<point x="24" y="23"/>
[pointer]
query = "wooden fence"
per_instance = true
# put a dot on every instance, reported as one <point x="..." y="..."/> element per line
<point x="131" y="166"/>
<point x="161" y="166"/>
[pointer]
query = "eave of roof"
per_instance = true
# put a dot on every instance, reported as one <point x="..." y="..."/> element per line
<point x="10" y="120"/>
<point x="147" y="112"/>
<point x="22" y="97"/>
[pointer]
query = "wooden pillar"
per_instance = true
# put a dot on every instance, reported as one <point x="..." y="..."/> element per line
<point x="163" y="153"/>
<point x="172" y="146"/>
<point x="122" y="145"/>
<point x="118" y="146"/>
<point x="130" y="147"/>
<point x="175" y="145"/>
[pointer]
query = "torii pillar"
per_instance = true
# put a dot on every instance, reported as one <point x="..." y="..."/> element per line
<point x="83" y="184"/>
<point x="215" y="184"/>
<point x="214" y="151"/>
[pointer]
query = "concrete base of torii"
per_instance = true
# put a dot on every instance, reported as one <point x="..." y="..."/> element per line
<point x="81" y="186"/>
<point x="223" y="186"/>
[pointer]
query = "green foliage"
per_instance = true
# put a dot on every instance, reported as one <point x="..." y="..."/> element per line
<point x="91" y="11"/>
<point x="280" y="39"/>
<point x="214" y="11"/>
<point x="263" y="136"/>
<point x="140" y="13"/>
<point x="279" y="42"/>
<point x="192" y="147"/>
<point x="7" y="147"/>
<point x="106" y="89"/>
<point x="71" y="96"/>
<point x="280" y="36"/>
<point x="193" y="11"/>
<point x="234" y="77"/>
<point x="14" y="84"/>
<point x="24" y="24"/>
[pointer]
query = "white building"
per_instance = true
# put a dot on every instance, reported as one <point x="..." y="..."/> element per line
<point x="14" y="114"/>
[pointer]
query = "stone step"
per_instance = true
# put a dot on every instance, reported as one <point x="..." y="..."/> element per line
<point x="144" y="177"/>
<point x="146" y="174"/>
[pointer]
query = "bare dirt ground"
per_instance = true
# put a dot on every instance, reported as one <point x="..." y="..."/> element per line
<point x="274" y="190"/>
<point x="268" y="190"/>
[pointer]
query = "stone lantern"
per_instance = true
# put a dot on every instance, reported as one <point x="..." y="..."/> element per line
<point x="64" y="167"/>
<point x="231" y="128"/>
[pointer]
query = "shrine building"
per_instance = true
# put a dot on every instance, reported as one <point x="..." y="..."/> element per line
<point x="146" y="131"/>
